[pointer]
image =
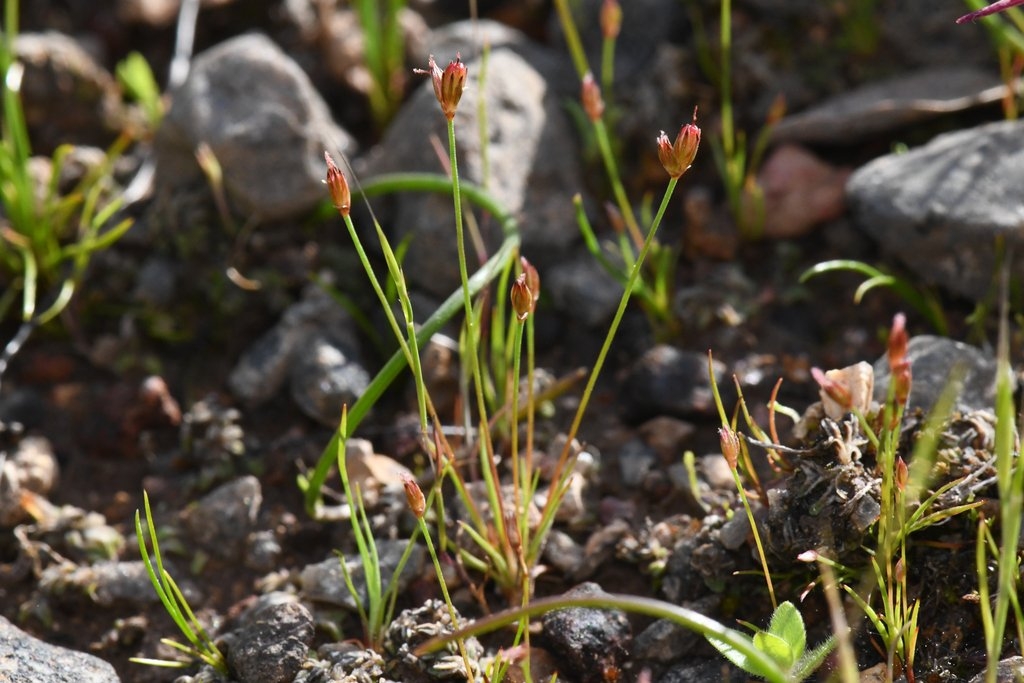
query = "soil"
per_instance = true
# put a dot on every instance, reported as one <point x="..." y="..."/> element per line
<point x="110" y="446"/>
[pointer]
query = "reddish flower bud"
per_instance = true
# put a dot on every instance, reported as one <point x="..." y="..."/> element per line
<point x="338" y="185"/>
<point x="833" y="390"/>
<point x="522" y="298"/>
<point x="532" y="279"/>
<point x="902" y="474"/>
<point x="677" y="156"/>
<point x="515" y="539"/>
<point x="448" y="84"/>
<point x="902" y="378"/>
<point x="730" y="442"/>
<point x="611" y="19"/>
<point x="593" y="103"/>
<point x="414" y="496"/>
<point x="898" y="340"/>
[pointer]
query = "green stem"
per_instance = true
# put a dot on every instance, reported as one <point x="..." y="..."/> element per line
<point x="561" y="471"/>
<point x="421" y="182"/>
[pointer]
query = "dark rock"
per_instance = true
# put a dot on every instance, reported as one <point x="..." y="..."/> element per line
<point x="934" y="362"/>
<point x="669" y="381"/>
<point x="29" y="660"/>
<point x="883" y="106"/>
<point x="940" y="207"/>
<point x="591" y="642"/>
<point x="314" y="347"/>
<point x="703" y="670"/>
<point x="636" y="459"/>
<point x="262" y="119"/>
<point x="220" y="522"/>
<point x="665" y="641"/>
<point x="583" y="289"/>
<point x="325" y="377"/>
<point x="1010" y="670"/>
<point x="530" y="149"/>
<point x="67" y="96"/>
<point x="325" y="581"/>
<point x="272" y="646"/>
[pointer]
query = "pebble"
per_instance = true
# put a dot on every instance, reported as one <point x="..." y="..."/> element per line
<point x="264" y="121"/>
<point x="30" y="466"/>
<point x="583" y="289"/>
<point x="939" y="208"/>
<point x="590" y="642"/>
<point x="220" y="522"/>
<point x="24" y="659"/>
<point x="669" y="381"/>
<point x="67" y="96"/>
<point x="1010" y="670"/>
<point x="325" y="582"/>
<point x="932" y="362"/>
<point x="530" y="149"/>
<point x="272" y="645"/>
<point x="801" y="192"/>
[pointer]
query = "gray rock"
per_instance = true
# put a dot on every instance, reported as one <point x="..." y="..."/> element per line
<point x="24" y="659"/>
<point x="636" y="459"/>
<point x="314" y="347"/>
<point x="325" y="377"/>
<point x="107" y="583"/>
<point x="325" y="582"/>
<point x="67" y="96"/>
<point x="220" y="522"/>
<point x="29" y="467"/>
<point x="590" y="642"/>
<point x="933" y="363"/>
<point x="702" y="670"/>
<point x="939" y="208"/>
<point x="669" y="381"/>
<point x="534" y="168"/>
<point x="272" y="645"/>
<point x="580" y="286"/>
<point x="882" y="106"/>
<point x="1010" y="670"/>
<point x="264" y="122"/>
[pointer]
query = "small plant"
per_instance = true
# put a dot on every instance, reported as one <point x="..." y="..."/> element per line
<point x="785" y="642"/>
<point x="737" y="162"/>
<point x="200" y="645"/>
<point x="384" y="52"/>
<point x="46" y="243"/>
<point x="923" y="301"/>
<point x="136" y="77"/>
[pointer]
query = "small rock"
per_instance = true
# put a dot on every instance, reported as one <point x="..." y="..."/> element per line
<point x="29" y="660"/>
<point x="325" y="582"/>
<point x="264" y="122"/>
<point x="583" y="289"/>
<point x="107" y="583"/>
<point x="413" y="627"/>
<point x="30" y="466"/>
<point x="933" y="362"/>
<point x="314" y="346"/>
<point x="665" y="641"/>
<point x="592" y="643"/>
<point x="67" y="96"/>
<point x="636" y="459"/>
<point x="326" y="377"/>
<point x="884" y="106"/>
<point x="940" y="207"/>
<point x="666" y="435"/>
<point x="272" y="646"/>
<point x="703" y="670"/>
<point x="669" y="381"/>
<point x="800" y="192"/>
<point x="1010" y="670"/>
<point x="529" y="149"/>
<point x="220" y="522"/>
<point x="562" y="552"/>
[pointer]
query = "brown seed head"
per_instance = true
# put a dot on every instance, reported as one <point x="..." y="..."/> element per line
<point x="730" y="446"/>
<point x="898" y="340"/>
<point x="590" y="96"/>
<point x="522" y="298"/>
<point x="338" y="186"/>
<point x="677" y="156"/>
<point x="611" y="19"/>
<point x="414" y="495"/>
<point x="532" y="279"/>
<point x="448" y="84"/>
<point x="902" y="474"/>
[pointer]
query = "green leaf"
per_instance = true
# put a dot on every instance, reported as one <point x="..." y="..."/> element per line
<point x="775" y="647"/>
<point x="788" y="625"/>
